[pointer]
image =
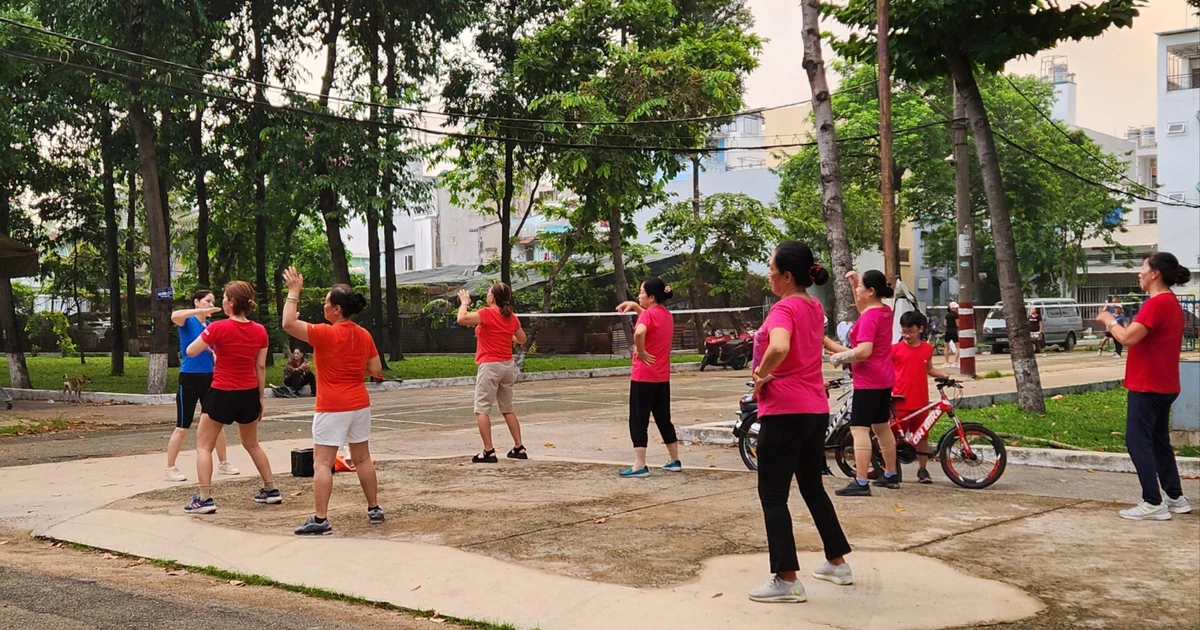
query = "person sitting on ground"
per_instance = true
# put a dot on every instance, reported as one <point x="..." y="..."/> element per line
<point x="913" y="359"/>
<point x="345" y="354"/>
<point x="1154" y="340"/>
<point x="297" y="373"/>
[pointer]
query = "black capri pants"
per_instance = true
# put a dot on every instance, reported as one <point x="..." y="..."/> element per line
<point x="193" y="388"/>
<point x="646" y="399"/>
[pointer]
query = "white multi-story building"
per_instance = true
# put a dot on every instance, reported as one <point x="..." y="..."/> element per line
<point x="1178" y="137"/>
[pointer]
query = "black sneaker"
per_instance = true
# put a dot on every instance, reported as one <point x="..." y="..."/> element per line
<point x="826" y="472"/>
<point x="272" y="497"/>
<point x="197" y="506"/>
<point x="923" y="476"/>
<point x="313" y="527"/>
<point x="854" y="490"/>
<point x="375" y="516"/>
<point x="891" y="483"/>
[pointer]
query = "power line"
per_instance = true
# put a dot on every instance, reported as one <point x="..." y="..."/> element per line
<point x="1056" y="166"/>
<point x="1079" y="144"/>
<point x="407" y="127"/>
<point x="420" y="111"/>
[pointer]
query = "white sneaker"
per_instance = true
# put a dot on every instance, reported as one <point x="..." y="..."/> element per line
<point x="778" y="591"/>
<point x="1146" y="512"/>
<point x="225" y="468"/>
<point x="173" y="474"/>
<point x="1178" y="506"/>
<point x="838" y="574"/>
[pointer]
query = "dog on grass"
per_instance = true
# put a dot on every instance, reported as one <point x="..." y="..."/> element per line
<point x="73" y="386"/>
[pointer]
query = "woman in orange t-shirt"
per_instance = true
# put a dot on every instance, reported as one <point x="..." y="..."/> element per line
<point x="496" y="328"/>
<point x="343" y="353"/>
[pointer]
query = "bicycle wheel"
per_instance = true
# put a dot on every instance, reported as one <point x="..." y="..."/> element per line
<point x="843" y="454"/>
<point x="748" y="449"/>
<point x="985" y="463"/>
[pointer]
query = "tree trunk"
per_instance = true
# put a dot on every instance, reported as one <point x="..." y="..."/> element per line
<point x="831" y="171"/>
<point x="376" y="288"/>
<point x="160" y="254"/>
<point x="620" y="282"/>
<point x="396" y="352"/>
<point x="694" y="258"/>
<point x="1024" y="362"/>
<point x="197" y="142"/>
<point x="285" y="259"/>
<point x="326" y="199"/>
<point x="135" y="348"/>
<point x="18" y="371"/>
<point x="117" y="352"/>
<point x="887" y="188"/>
<point x="506" y="214"/>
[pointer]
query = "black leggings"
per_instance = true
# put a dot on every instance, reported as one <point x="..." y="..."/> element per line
<point x="646" y="399"/>
<point x="794" y="446"/>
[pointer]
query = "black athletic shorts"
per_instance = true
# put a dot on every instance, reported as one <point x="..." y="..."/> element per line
<point x="870" y="406"/>
<point x="193" y="387"/>
<point x="952" y="337"/>
<point x="227" y="407"/>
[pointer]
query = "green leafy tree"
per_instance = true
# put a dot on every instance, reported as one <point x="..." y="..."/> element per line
<point x="959" y="40"/>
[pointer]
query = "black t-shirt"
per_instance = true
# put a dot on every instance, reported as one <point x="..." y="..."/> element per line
<point x="1035" y="323"/>
<point x="951" y="323"/>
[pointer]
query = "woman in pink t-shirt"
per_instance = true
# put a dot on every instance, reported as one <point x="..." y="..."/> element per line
<point x="874" y="376"/>
<point x="650" y="379"/>
<point x="793" y="411"/>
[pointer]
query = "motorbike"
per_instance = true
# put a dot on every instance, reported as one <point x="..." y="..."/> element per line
<point x="746" y="427"/>
<point x="728" y="350"/>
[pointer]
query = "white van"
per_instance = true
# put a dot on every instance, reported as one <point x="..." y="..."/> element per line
<point x="1062" y="323"/>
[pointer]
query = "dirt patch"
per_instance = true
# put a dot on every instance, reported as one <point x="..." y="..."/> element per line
<point x="581" y="520"/>
<point x="142" y="579"/>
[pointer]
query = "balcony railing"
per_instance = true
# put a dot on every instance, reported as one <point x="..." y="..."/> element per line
<point x="1184" y="81"/>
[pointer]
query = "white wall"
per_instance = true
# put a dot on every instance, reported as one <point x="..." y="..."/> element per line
<point x="1179" y="160"/>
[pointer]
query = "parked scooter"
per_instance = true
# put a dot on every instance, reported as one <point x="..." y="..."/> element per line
<point x="726" y="350"/>
<point x="746" y="428"/>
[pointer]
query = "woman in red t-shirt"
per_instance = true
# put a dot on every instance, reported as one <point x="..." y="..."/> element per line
<point x="1152" y="378"/>
<point x="496" y="328"/>
<point x="344" y="353"/>
<point x="650" y="379"/>
<point x="239" y="374"/>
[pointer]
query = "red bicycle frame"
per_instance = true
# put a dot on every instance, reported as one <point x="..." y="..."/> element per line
<point x="932" y="412"/>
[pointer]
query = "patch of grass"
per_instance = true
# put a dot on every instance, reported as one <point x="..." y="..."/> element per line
<point x="1094" y="421"/>
<point x="309" y="591"/>
<point x="47" y="372"/>
<point x="34" y="428"/>
<point x="993" y="374"/>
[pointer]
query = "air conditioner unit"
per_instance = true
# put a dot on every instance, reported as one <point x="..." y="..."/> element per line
<point x="1176" y="129"/>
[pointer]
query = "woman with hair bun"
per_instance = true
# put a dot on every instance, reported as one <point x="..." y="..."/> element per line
<point x="239" y="375"/>
<point x="1154" y="340"/>
<point x="874" y="376"/>
<point x="496" y="328"/>
<point x="650" y="380"/>
<point x="793" y="411"/>
<point x="343" y="353"/>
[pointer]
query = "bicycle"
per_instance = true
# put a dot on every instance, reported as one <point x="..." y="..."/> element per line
<point x="964" y="448"/>
<point x="746" y="428"/>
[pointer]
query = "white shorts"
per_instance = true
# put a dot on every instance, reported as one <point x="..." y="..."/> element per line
<point x="336" y="428"/>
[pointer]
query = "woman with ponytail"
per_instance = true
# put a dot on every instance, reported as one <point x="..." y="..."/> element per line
<point x="650" y="380"/>
<point x="239" y="374"/>
<point x="343" y="353"/>
<point x="496" y="328"/>
<point x="1154" y="340"/>
<point x="793" y="411"/>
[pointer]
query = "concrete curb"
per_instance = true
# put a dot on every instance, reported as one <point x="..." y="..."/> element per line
<point x="387" y="386"/>
<point x="980" y="401"/>
<point x="1088" y="460"/>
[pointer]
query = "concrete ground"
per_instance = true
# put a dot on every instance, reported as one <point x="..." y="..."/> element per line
<point x="1043" y="548"/>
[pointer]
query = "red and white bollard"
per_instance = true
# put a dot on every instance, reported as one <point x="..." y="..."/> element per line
<point x="966" y="339"/>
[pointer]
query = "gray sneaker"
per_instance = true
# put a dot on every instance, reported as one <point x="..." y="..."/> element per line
<point x="312" y="527"/>
<point x="838" y="574"/>
<point x="778" y="591"/>
<point x="1178" y="506"/>
<point x="1145" y="512"/>
<point x="375" y="515"/>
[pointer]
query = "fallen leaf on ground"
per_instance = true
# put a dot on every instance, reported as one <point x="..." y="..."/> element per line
<point x="236" y="583"/>
<point x="712" y="465"/>
<point x="178" y="572"/>
<point x="437" y="620"/>
<point x="108" y="485"/>
<point x="416" y="589"/>
<point x="4" y="542"/>
<point x="709" y="457"/>
<point x="717" y="595"/>
<point x="548" y="445"/>
<point x="1090" y="470"/>
<point x="897" y="508"/>
<point x="1057" y="397"/>
<point x="79" y="436"/>
<point x="297" y="493"/>
<point x="599" y="449"/>
<point x="601" y="521"/>
<point x="109" y="556"/>
<point x="58" y="545"/>
<point x="1062" y="481"/>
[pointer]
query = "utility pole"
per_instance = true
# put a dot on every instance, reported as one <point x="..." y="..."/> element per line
<point x="887" y="193"/>
<point x="966" y="241"/>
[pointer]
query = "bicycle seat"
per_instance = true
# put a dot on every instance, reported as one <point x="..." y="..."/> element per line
<point x="897" y="398"/>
